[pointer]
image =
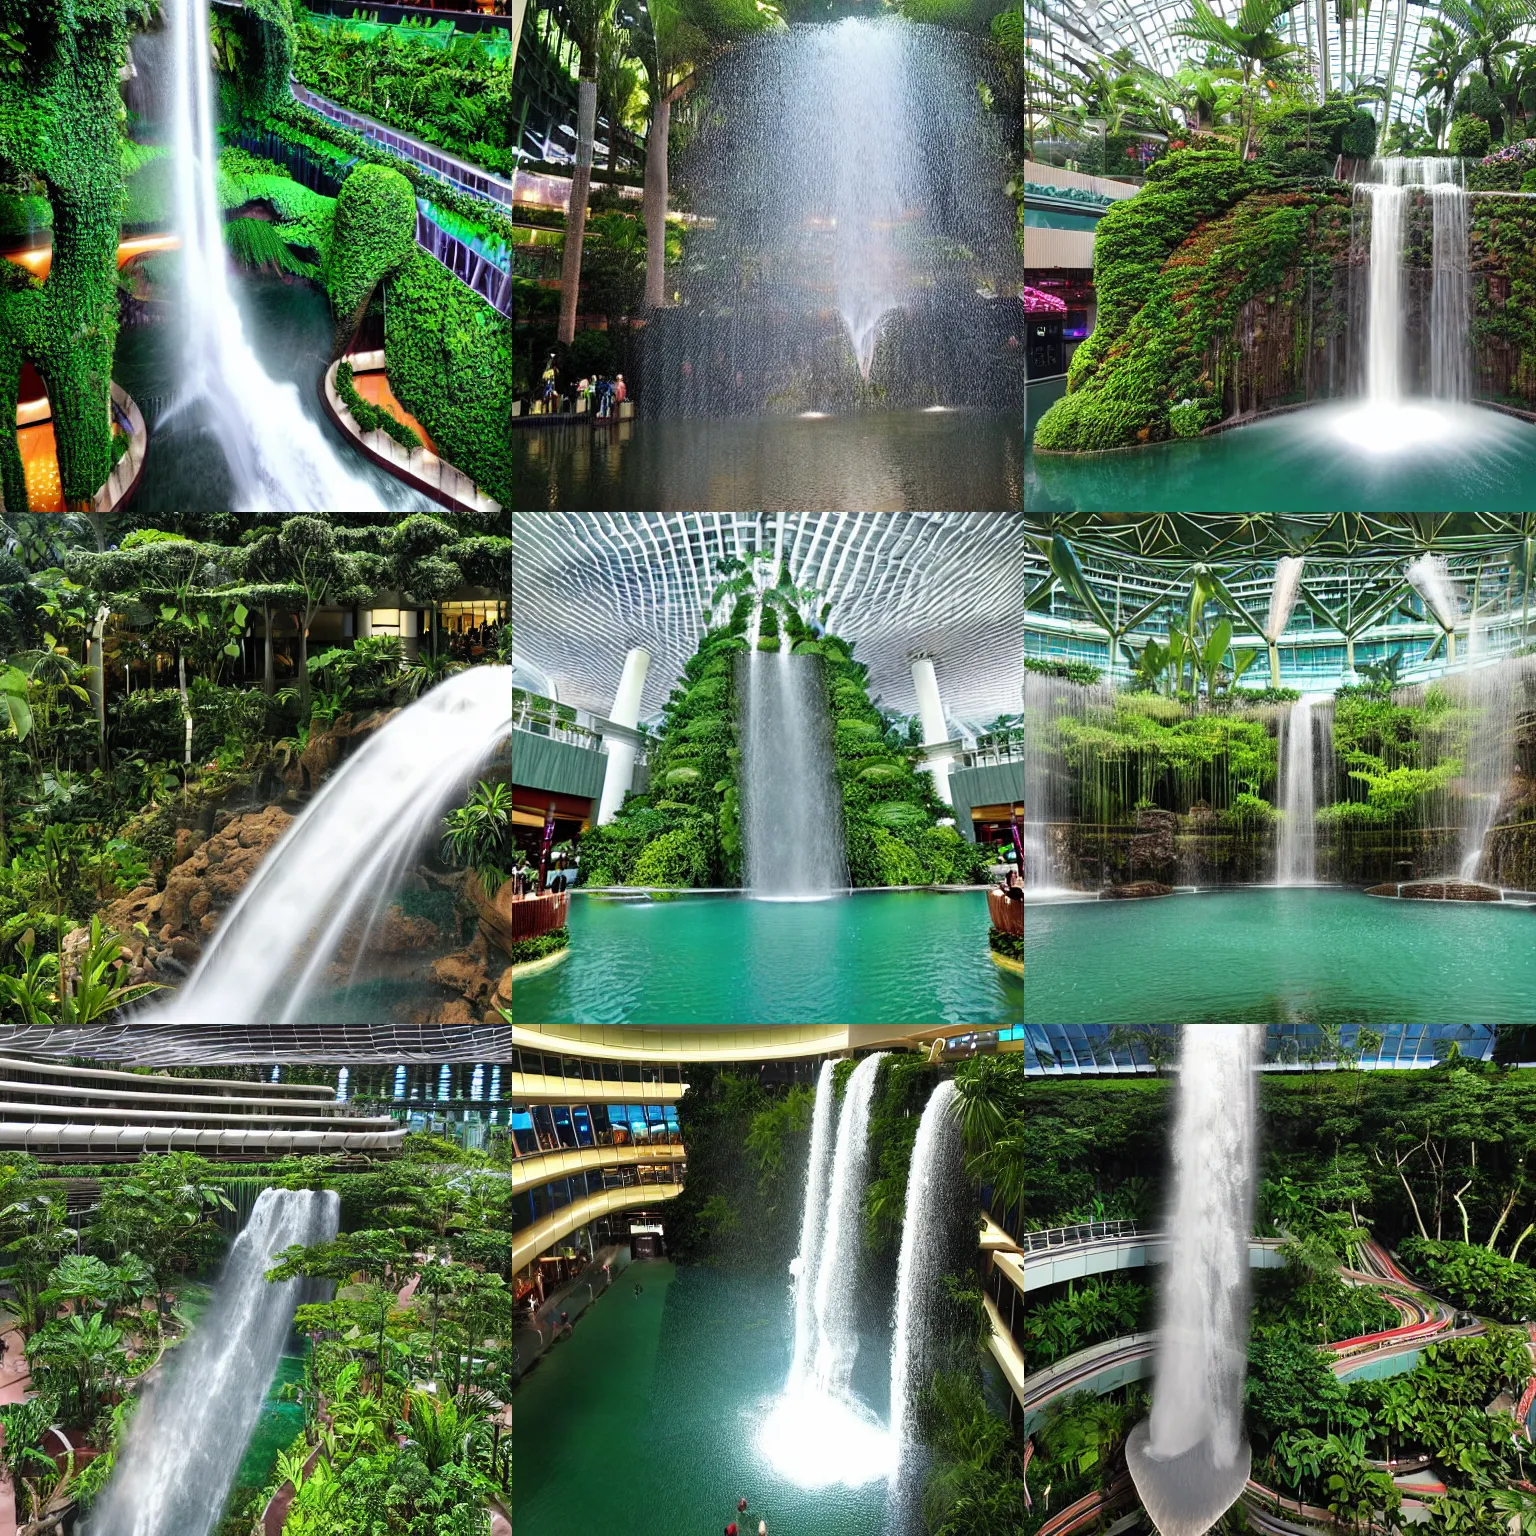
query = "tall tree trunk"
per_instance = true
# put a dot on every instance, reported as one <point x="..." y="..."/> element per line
<point x="655" y="204"/>
<point x="301" y="659"/>
<point x="576" y="218"/>
<point x="97" y="676"/>
<point x="268" y="661"/>
<point x="186" y="712"/>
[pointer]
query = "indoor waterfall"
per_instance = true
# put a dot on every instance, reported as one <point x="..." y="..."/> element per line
<point x="837" y="1311"/>
<point x="937" y="1227"/>
<point x="1396" y="186"/>
<point x="337" y="868"/>
<point x="278" y="456"/>
<point x="818" y="1432"/>
<point x="183" y="1447"/>
<point x="1050" y="783"/>
<point x="1189" y="1459"/>
<point x="1296" y="852"/>
<point x="850" y="182"/>
<point x="792" y="807"/>
<point x="1493" y="697"/>
<point x="813" y="1225"/>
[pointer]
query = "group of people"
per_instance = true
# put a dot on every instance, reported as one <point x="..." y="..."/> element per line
<point x="598" y="396"/>
<point x="1012" y="885"/>
<point x="525" y="878"/>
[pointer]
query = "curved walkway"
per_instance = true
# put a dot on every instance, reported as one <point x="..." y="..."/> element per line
<point x="544" y="1166"/>
<point x="528" y="1244"/>
<point x="420" y="467"/>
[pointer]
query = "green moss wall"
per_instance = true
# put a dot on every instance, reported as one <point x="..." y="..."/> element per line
<point x="60" y="128"/>
<point x="1175" y="267"/>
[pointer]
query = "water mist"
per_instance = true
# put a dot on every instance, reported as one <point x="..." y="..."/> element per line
<point x="1189" y="1459"/>
<point x="183" y="1447"/>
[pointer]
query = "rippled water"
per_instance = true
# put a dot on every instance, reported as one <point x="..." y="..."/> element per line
<point x="1278" y="956"/>
<point x="648" y="1420"/>
<point x="886" y="957"/>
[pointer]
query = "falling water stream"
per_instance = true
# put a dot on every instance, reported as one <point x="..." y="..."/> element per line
<point x="938" y="1226"/>
<point x="1296" y="862"/>
<point x="278" y="455"/>
<point x="818" y="1432"/>
<point x="1189" y="1459"/>
<point x="183" y="1447"/>
<point x="792" y="811"/>
<point x="334" y="872"/>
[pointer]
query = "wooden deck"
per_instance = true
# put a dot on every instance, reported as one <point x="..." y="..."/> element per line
<point x="533" y="915"/>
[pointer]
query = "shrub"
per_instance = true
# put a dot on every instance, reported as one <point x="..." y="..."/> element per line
<point x="1470" y="136"/>
<point x="368" y="416"/>
<point x="898" y="863"/>
<point x="1188" y="417"/>
<point x="1074" y="671"/>
<point x="1006" y="944"/>
<point x="678" y="858"/>
<point x="374" y="235"/>
<point x="524" y="950"/>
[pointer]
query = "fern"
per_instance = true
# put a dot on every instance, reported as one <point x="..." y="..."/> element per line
<point x="255" y="243"/>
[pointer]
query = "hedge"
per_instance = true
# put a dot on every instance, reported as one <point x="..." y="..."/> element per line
<point x="370" y="417"/>
<point x="1006" y="944"/>
<point x="524" y="950"/>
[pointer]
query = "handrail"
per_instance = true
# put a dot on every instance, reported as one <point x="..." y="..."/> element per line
<point x="1082" y="1232"/>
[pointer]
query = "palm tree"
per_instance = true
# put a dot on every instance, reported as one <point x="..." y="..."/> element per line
<point x="584" y="21"/>
<point x="1486" y="26"/>
<point x="618" y="82"/>
<point x="1441" y="57"/>
<point x="1252" y="38"/>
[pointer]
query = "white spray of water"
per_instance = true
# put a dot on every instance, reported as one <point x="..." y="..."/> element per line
<point x="337" y="867"/>
<point x="813" y="1225"/>
<point x="937" y="1201"/>
<point x="1493" y="697"/>
<point x="1050" y="781"/>
<point x="1282" y="596"/>
<point x="792" y="811"/>
<point x="278" y="456"/>
<point x="1190" y="1461"/>
<point x="184" y="1445"/>
<point x="837" y="1317"/>
<point x="1430" y="577"/>
<point x="1296" y="863"/>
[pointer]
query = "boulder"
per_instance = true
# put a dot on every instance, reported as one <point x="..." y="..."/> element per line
<point x="467" y="971"/>
<point x="1439" y="890"/>
<point x="494" y="911"/>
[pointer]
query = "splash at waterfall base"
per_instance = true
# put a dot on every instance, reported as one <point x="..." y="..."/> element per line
<point x="1387" y="305"/>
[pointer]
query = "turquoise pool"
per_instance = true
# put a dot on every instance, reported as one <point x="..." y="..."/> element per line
<point x="1267" y="956"/>
<point x="880" y="957"/>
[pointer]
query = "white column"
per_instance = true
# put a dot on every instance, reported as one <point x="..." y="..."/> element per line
<point x="931" y="709"/>
<point x="620" y="772"/>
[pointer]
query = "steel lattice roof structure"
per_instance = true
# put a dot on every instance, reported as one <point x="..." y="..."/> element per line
<point x="181" y="1045"/>
<point x="1344" y="49"/>
<point x="588" y="586"/>
<point x="1255" y="537"/>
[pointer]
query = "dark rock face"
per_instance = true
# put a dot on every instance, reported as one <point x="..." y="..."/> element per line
<point x="1137" y="890"/>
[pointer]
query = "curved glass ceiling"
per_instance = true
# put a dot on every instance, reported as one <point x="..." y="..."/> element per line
<point x="588" y="586"/>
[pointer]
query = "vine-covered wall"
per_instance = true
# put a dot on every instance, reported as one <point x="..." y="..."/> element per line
<point x="60" y="128"/>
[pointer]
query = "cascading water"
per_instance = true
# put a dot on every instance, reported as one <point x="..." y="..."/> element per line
<point x="818" y="1433"/>
<point x="813" y="1225"/>
<point x="337" y="867"/>
<point x="1296" y="854"/>
<point x="183" y="1446"/>
<point x="278" y="456"/>
<point x="847" y="185"/>
<point x="1050" y="782"/>
<point x="937" y="1229"/>
<point x="1189" y="1460"/>
<point x="1493" y="697"/>
<point x="1395" y="190"/>
<point x="837" y="1316"/>
<point x="792" y="808"/>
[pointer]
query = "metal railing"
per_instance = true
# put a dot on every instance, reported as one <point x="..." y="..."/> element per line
<point x="1082" y="1232"/>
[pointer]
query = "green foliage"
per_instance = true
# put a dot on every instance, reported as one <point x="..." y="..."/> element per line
<point x="374" y="236"/>
<point x="1074" y="671"/>
<point x="1470" y="136"/>
<point x="1182" y="258"/>
<point x="1006" y="944"/>
<point x="257" y="243"/>
<point x="1189" y="417"/>
<point x="370" y="417"/>
<point x="974" y="1487"/>
<point x="678" y="857"/>
<point x="1088" y="1312"/>
<point x="60" y="111"/>
<point x="1482" y="1282"/>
